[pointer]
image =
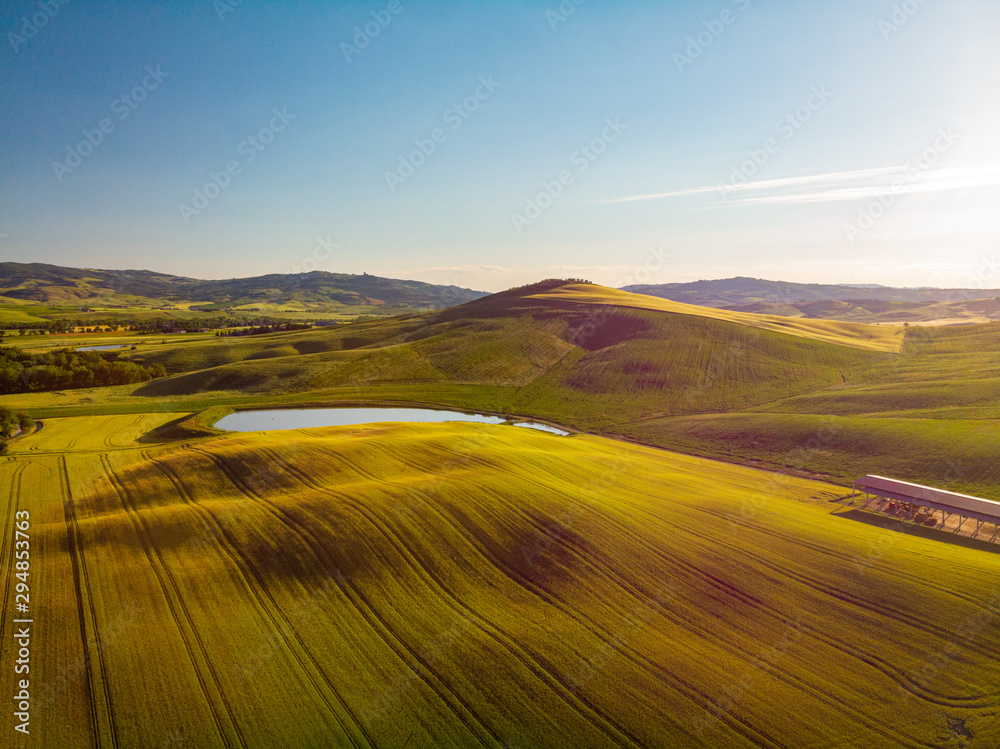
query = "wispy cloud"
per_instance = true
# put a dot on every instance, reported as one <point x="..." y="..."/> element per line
<point x="589" y="268"/>
<point x="835" y="186"/>
<point x="467" y="269"/>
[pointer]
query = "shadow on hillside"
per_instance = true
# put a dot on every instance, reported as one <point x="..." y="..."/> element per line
<point x="911" y="529"/>
<point x="182" y="428"/>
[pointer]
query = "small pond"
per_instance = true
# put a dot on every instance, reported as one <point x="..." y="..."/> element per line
<point x="302" y="418"/>
<point x="110" y="347"/>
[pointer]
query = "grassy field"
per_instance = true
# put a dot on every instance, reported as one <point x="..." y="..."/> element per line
<point x="597" y="360"/>
<point x="861" y="335"/>
<point x="459" y="585"/>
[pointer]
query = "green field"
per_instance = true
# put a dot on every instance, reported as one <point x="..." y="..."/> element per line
<point x="831" y="403"/>
<point x="468" y="585"/>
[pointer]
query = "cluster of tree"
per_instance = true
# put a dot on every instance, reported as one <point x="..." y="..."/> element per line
<point x="64" y="369"/>
<point x="549" y="283"/>
<point x="261" y="329"/>
<point x="10" y="422"/>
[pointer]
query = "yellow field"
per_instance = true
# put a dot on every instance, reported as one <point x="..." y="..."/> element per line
<point x="859" y="335"/>
<point x="458" y="585"/>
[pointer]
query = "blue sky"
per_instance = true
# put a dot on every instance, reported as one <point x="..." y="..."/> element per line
<point x="622" y="142"/>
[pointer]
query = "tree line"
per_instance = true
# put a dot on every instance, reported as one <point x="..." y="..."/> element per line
<point x="155" y="326"/>
<point x="262" y="329"/>
<point x="65" y="369"/>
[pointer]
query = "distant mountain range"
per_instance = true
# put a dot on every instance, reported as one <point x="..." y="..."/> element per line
<point x="52" y="284"/>
<point x="731" y="293"/>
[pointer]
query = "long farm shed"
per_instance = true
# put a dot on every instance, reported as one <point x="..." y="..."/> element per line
<point x="904" y="497"/>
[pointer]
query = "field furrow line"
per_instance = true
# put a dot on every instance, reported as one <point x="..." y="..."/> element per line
<point x="885" y="611"/>
<point x="425" y="674"/>
<point x="902" y="679"/>
<point x="842" y="557"/>
<point x="688" y="623"/>
<point x="102" y="715"/>
<point x="269" y="607"/>
<point x="175" y="601"/>
<point x="844" y="596"/>
<point x="8" y="545"/>
<point x="582" y="706"/>
<point x="80" y="435"/>
<point x="639" y="660"/>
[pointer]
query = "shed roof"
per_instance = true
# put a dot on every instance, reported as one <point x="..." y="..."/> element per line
<point x="963" y="504"/>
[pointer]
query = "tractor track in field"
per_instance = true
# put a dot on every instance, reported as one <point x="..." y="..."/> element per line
<point x="171" y="590"/>
<point x="837" y="593"/>
<point x="679" y="686"/>
<point x="427" y="676"/>
<point x="579" y="704"/>
<point x="577" y="470"/>
<point x="683" y="564"/>
<point x="684" y="689"/>
<point x="842" y="595"/>
<point x="8" y="544"/>
<point x="607" y="570"/>
<point x="71" y="443"/>
<point x="637" y="658"/>
<point x="902" y="679"/>
<point x="99" y="717"/>
<point x="274" y="613"/>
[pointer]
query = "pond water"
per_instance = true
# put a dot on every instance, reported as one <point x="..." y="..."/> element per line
<point x="110" y="347"/>
<point x="302" y="418"/>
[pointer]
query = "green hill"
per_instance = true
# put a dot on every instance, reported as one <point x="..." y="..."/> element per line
<point x="600" y="352"/>
<point x="50" y="284"/>
<point x="827" y="398"/>
<point x="460" y="585"/>
<point x="856" y="302"/>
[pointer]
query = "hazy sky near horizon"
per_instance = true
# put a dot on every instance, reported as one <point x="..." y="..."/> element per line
<point x="490" y="144"/>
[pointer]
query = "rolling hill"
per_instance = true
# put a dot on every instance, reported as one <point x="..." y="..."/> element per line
<point x="846" y="302"/>
<point x="460" y="585"/>
<point x="823" y="397"/>
<point x="50" y="284"/>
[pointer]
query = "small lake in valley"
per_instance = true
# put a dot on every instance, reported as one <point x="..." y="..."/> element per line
<point x="102" y="348"/>
<point x="303" y="418"/>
